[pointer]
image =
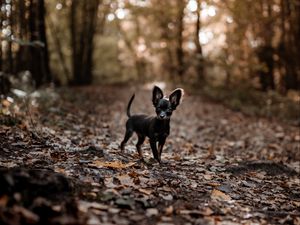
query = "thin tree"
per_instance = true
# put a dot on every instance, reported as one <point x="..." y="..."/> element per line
<point x="199" y="52"/>
<point x="179" y="38"/>
<point x="82" y="39"/>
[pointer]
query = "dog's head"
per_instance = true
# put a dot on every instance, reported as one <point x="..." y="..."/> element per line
<point x="165" y="106"/>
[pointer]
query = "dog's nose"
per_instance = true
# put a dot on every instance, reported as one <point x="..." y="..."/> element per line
<point x="162" y="116"/>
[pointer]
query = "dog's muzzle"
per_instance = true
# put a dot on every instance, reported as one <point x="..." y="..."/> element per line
<point x="162" y="115"/>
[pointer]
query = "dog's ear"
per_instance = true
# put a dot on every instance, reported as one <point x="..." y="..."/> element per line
<point x="157" y="94"/>
<point x="175" y="97"/>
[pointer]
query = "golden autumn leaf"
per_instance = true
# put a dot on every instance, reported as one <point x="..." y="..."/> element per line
<point x="5" y="103"/>
<point x="3" y="201"/>
<point x="114" y="164"/>
<point x="219" y="195"/>
<point x="145" y="191"/>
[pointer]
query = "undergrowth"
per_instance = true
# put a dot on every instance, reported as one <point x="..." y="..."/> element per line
<point x="256" y="103"/>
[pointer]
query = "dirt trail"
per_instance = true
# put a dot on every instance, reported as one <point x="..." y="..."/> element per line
<point x="220" y="167"/>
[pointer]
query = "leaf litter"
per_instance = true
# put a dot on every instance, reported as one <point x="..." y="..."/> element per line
<point x="219" y="166"/>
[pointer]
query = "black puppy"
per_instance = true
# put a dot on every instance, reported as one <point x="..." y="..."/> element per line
<point x="156" y="128"/>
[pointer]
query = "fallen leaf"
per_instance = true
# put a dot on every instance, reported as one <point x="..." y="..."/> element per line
<point x="114" y="164"/>
<point x="28" y="215"/>
<point x="151" y="212"/>
<point x="114" y="210"/>
<point x="167" y="197"/>
<point x="213" y="184"/>
<point x="125" y="202"/>
<point x="145" y="191"/>
<point x="169" y="210"/>
<point x="207" y="211"/>
<point x="207" y="177"/>
<point x="60" y="170"/>
<point x="5" y="103"/>
<point x="204" y="212"/>
<point x="8" y="164"/>
<point x="274" y="146"/>
<point x="219" y="195"/>
<point x="225" y="188"/>
<point x="84" y="206"/>
<point x="126" y="180"/>
<point x="177" y="157"/>
<point x="297" y="138"/>
<point x="3" y="201"/>
<point x="185" y="212"/>
<point x="133" y="174"/>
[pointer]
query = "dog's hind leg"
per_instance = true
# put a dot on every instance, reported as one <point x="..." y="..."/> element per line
<point x="128" y="135"/>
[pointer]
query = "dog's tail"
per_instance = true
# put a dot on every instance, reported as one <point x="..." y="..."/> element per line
<point x="129" y="105"/>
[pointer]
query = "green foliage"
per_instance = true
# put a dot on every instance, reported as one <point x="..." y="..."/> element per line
<point x="255" y="103"/>
<point x="108" y="66"/>
<point x="9" y="120"/>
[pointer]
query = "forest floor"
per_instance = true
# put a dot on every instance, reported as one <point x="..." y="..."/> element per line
<point x="60" y="163"/>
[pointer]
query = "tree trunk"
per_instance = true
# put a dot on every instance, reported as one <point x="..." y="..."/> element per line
<point x="199" y="53"/>
<point x="39" y="62"/>
<point x="179" y="38"/>
<point x="92" y="10"/>
<point x="9" y="67"/>
<point x="21" y="63"/>
<point x="266" y="51"/>
<point x="83" y="27"/>
<point x="73" y="33"/>
<point x="1" y="54"/>
<point x="288" y="55"/>
<point x="59" y="47"/>
<point x="44" y="53"/>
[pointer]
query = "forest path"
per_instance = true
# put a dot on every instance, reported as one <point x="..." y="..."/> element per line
<point x="220" y="167"/>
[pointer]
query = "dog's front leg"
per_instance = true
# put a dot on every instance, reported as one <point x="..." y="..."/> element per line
<point x="160" y="147"/>
<point x="154" y="150"/>
<point x="139" y="145"/>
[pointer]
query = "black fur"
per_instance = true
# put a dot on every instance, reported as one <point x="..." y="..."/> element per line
<point x="157" y="128"/>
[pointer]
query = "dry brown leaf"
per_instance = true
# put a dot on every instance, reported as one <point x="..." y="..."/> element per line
<point x="114" y="164"/>
<point x="8" y="164"/>
<point x="177" y="157"/>
<point x="28" y="215"/>
<point x="207" y="176"/>
<point x="133" y="174"/>
<point x="60" y="170"/>
<point x="151" y="212"/>
<point x="84" y="206"/>
<point x="207" y="212"/>
<point x="274" y="146"/>
<point x="5" y="103"/>
<point x="145" y="191"/>
<point x="3" y="201"/>
<point x="297" y="138"/>
<point x="213" y="184"/>
<point x="126" y="180"/>
<point x="109" y="182"/>
<point x="169" y="210"/>
<point x="184" y="212"/>
<point x="219" y="195"/>
<point x="123" y="180"/>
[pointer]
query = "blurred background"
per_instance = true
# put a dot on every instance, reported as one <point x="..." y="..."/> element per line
<point x="237" y="52"/>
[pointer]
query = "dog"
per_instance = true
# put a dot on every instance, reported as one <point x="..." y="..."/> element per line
<point x="156" y="128"/>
